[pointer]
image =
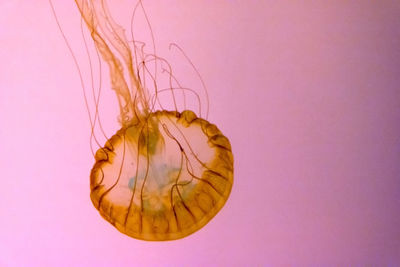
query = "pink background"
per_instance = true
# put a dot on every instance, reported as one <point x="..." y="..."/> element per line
<point x="308" y="93"/>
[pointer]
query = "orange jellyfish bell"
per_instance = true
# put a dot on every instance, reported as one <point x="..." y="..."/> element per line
<point x="164" y="174"/>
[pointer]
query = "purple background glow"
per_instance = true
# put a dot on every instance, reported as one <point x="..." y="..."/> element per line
<point x="308" y="93"/>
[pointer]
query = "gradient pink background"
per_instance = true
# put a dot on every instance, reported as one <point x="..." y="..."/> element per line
<point x="308" y="93"/>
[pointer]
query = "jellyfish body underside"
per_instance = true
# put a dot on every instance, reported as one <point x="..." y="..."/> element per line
<point x="163" y="178"/>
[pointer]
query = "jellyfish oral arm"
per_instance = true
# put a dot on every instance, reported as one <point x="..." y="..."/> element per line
<point x="108" y="35"/>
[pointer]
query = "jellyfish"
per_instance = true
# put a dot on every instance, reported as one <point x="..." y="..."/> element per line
<point x="166" y="172"/>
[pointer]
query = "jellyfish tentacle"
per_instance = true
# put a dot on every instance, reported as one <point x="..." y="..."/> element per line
<point x="96" y="98"/>
<point x="198" y="75"/>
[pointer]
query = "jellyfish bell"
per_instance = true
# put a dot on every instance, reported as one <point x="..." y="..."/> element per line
<point x="165" y="173"/>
